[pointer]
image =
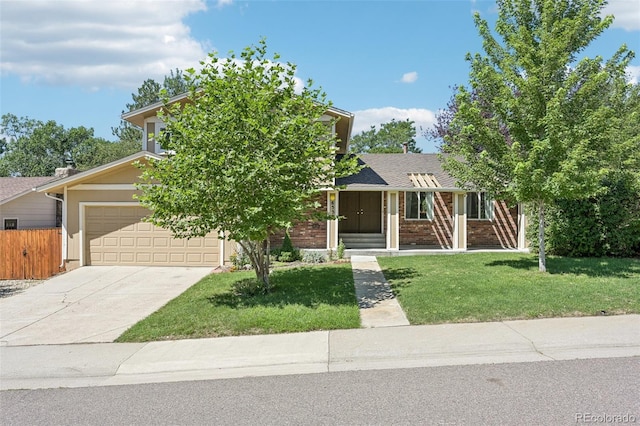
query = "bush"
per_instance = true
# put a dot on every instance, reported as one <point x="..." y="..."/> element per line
<point x="309" y="256"/>
<point x="240" y="260"/>
<point x="286" y="243"/>
<point x="286" y="253"/>
<point x="604" y="225"/>
<point x="340" y="250"/>
<point x="287" y="256"/>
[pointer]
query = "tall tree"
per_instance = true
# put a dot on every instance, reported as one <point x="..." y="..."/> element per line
<point x="149" y="93"/>
<point x="247" y="156"/>
<point x="390" y="138"/>
<point x="35" y="148"/>
<point x="535" y="123"/>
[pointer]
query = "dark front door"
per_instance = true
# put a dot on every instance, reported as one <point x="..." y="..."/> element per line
<point x="361" y="211"/>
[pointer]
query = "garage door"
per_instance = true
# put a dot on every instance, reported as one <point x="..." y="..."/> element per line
<point x="117" y="236"/>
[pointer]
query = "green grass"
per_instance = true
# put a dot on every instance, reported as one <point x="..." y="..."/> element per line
<point x="302" y="299"/>
<point x="499" y="286"/>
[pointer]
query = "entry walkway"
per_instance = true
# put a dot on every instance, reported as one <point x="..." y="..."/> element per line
<point x="378" y="305"/>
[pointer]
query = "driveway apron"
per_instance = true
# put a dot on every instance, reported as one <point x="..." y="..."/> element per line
<point x="90" y="304"/>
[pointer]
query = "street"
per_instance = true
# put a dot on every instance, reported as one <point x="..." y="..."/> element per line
<point x="591" y="391"/>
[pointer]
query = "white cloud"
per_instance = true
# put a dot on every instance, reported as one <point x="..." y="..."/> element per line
<point x="626" y="13"/>
<point x="633" y="72"/>
<point x="409" y="77"/>
<point x="364" y="119"/>
<point x="96" y="44"/>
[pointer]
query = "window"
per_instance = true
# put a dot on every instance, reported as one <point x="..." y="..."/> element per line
<point x="11" y="224"/>
<point x="419" y="205"/>
<point x="479" y="206"/>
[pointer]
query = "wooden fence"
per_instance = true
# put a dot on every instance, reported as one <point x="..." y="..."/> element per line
<point x="30" y="253"/>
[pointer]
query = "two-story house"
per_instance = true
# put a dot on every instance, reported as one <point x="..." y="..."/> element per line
<point x="397" y="202"/>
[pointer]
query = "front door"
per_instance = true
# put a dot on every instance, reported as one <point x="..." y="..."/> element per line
<point x="361" y="211"/>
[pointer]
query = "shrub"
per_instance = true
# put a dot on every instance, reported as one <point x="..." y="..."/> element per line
<point x="340" y="250"/>
<point x="309" y="256"/>
<point x="239" y="260"/>
<point x="286" y="243"/>
<point x="605" y="225"/>
<point x="287" y="256"/>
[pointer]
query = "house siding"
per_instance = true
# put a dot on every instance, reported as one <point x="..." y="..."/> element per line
<point x="500" y="232"/>
<point x="33" y="211"/>
<point x="436" y="233"/>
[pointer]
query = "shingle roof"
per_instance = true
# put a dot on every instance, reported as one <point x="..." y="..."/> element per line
<point x="386" y="171"/>
<point x="13" y="187"/>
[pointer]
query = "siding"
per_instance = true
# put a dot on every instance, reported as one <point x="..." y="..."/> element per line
<point x="32" y="210"/>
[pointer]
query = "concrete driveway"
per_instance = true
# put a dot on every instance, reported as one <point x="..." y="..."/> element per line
<point x="90" y="304"/>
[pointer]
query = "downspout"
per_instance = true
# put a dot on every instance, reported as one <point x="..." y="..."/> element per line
<point x="64" y="228"/>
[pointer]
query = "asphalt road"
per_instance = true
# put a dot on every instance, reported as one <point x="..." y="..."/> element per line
<point x="594" y="391"/>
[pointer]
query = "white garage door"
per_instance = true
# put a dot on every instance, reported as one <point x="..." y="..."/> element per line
<point x="117" y="236"/>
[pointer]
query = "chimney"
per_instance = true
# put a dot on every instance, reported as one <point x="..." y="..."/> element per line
<point x="63" y="172"/>
<point x="405" y="148"/>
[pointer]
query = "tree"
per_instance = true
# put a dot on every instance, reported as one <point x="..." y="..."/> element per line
<point x="536" y="123"/>
<point x="97" y="151"/>
<point x="247" y="156"/>
<point x="149" y="93"/>
<point x="35" y="148"/>
<point x="389" y="139"/>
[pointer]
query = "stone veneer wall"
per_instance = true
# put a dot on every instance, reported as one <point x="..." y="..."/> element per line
<point x="436" y="233"/>
<point x="501" y="232"/>
<point x="310" y="234"/>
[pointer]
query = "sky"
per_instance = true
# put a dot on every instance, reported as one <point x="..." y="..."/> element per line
<point x="78" y="61"/>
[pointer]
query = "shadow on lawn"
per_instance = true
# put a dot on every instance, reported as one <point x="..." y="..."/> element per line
<point x="399" y="278"/>
<point x="305" y="286"/>
<point x="592" y="267"/>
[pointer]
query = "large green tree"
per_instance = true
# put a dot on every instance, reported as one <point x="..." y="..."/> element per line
<point x="247" y="156"/>
<point x="536" y="121"/>
<point x="36" y="148"/>
<point x="390" y="138"/>
<point x="149" y="93"/>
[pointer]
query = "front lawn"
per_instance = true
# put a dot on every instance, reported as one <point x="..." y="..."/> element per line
<point x="303" y="299"/>
<point x="499" y="286"/>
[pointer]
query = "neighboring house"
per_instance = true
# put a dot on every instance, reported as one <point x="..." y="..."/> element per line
<point x="399" y="201"/>
<point x="23" y="208"/>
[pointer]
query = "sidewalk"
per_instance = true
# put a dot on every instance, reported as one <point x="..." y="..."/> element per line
<point x="378" y="305"/>
<point x="102" y="364"/>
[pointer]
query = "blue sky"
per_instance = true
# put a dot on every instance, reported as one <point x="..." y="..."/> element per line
<point x="77" y="62"/>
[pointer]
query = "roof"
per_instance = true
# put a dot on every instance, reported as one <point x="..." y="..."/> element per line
<point x="400" y="172"/>
<point x="61" y="183"/>
<point x="14" y="187"/>
<point x="137" y="116"/>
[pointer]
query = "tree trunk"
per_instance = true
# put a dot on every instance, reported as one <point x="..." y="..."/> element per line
<point x="542" y="259"/>
<point x="265" y="265"/>
<point x="258" y="252"/>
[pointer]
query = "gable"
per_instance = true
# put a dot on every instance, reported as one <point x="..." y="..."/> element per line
<point x="119" y="172"/>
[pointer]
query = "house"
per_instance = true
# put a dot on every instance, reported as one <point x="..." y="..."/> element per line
<point x="102" y="222"/>
<point x="22" y="208"/>
<point x="398" y="201"/>
<point x="407" y="201"/>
